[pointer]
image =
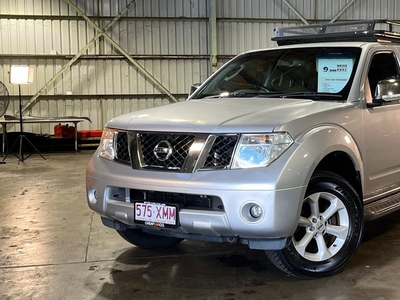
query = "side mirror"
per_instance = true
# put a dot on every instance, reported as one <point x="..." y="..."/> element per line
<point x="194" y="87"/>
<point x="387" y="90"/>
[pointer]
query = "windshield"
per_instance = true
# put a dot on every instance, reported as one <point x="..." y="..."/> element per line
<point x="316" y="73"/>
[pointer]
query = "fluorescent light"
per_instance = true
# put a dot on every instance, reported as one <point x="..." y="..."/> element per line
<point x="20" y="74"/>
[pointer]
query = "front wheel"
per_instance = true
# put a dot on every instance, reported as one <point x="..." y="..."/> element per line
<point x="148" y="241"/>
<point x="329" y="231"/>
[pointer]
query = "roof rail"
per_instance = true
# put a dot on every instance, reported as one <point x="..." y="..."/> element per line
<point x="380" y="30"/>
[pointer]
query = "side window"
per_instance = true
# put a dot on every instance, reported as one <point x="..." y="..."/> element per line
<point x="383" y="66"/>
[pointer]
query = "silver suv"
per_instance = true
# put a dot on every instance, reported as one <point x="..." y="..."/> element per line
<point x="287" y="150"/>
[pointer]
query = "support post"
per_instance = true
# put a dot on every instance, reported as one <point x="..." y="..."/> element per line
<point x="213" y="35"/>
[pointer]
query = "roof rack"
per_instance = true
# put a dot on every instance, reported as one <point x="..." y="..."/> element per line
<point x="380" y="30"/>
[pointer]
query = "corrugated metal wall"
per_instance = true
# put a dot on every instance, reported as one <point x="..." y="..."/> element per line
<point x="169" y="38"/>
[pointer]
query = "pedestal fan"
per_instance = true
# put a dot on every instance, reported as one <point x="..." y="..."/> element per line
<point x="4" y="99"/>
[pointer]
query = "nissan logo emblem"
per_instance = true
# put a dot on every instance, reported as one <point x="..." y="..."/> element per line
<point x="163" y="150"/>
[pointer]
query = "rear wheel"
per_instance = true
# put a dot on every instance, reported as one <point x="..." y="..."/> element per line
<point x="329" y="231"/>
<point x="148" y="241"/>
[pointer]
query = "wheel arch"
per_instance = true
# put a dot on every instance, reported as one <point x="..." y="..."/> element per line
<point x="331" y="148"/>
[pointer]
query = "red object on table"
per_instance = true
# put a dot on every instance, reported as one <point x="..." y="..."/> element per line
<point x="61" y="130"/>
<point x="89" y="133"/>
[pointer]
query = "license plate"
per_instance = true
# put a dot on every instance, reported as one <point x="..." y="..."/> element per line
<point x="156" y="214"/>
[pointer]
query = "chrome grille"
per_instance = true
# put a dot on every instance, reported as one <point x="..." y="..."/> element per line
<point x="121" y="148"/>
<point x="219" y="149"/>
<point x="180" y="144"/>
<point x="221" y="152"/>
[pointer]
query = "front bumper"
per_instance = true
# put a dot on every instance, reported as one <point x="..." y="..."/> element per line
<point x="235" y="188"/>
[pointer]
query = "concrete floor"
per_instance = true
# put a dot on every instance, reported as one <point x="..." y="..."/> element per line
<point x="53" y="247"/>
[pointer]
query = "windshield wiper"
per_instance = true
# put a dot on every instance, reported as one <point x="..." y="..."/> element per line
<point x="312" y="95"/>
<point x="241" y="94"/>
<point x="232" y="94"/>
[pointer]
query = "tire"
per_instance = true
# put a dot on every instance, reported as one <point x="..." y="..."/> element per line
<point x="329" y="232"/>
<point x="145" y="240"/>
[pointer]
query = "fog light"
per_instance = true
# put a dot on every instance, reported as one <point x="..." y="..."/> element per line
<point x="92" y="196"/>
<point x="252" y="212"/>
<point x="256" y="211"/>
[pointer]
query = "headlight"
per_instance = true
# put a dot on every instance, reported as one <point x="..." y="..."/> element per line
<point x="106" y="148"/>
<point x="259" y="150"/>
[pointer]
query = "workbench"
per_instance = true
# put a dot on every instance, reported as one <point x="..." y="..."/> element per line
<point x="6" y="120"/>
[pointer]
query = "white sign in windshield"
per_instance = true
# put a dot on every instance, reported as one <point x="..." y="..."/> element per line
<point x="333" y="74"/>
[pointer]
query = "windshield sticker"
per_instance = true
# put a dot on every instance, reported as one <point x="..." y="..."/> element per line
<point x="333" y="74"/>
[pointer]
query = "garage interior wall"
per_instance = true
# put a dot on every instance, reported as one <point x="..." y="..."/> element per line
<point x="170" y="39"/>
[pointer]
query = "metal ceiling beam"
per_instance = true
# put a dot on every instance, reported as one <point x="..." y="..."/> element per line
<point x="342" y="11"/>
<point x="96" y="18"/>
<point x="34" y="100"/>
<point x="112" y="56"/>
<point x="132" y="18"/>
<point x="296" y="12"/>
<point x="122" y="51"/>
